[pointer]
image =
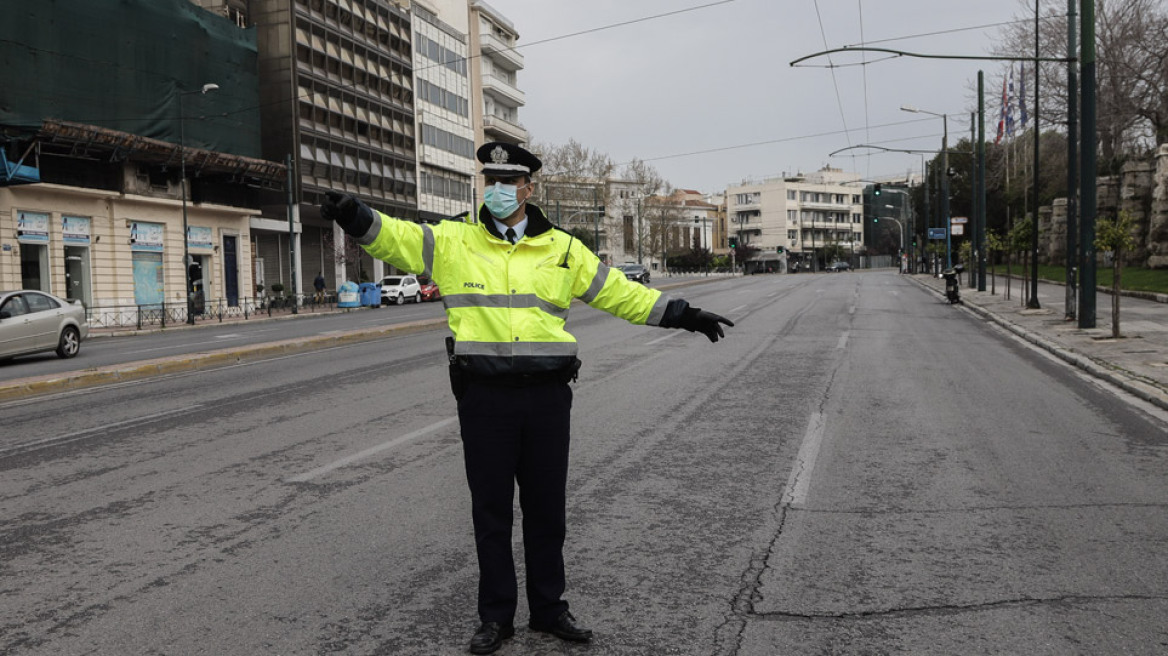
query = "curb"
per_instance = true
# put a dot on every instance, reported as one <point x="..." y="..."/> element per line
<point x="116" y="373"/>
<point x="75" y="380"/>
<point x="1102" y="370"/>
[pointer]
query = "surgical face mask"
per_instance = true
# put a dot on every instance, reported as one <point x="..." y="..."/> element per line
<point x="501" y="199"/>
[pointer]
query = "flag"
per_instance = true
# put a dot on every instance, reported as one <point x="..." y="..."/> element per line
<point x="1022" y="94"/>
<point x="1010" y="106"/>
<point x="1002" y="114"/>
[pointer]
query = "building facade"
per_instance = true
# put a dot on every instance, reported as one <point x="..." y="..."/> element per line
<point x="337" y="95"/>
<point x="446" y="137"/>
<point x="162" y="167"/>
<point x="802" y="214"/>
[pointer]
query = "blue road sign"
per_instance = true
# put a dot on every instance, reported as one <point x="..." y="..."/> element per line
<point x="936" y="233"/>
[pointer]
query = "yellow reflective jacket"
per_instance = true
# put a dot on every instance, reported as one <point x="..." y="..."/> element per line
<point x="507" y="304"/>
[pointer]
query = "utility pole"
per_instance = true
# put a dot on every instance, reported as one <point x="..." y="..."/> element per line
<point x="1088" y="141"/>
<point x="1072" y="258"/>
<point x="1033" y="303"/>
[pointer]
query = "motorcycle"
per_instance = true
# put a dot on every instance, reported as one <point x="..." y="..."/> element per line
<point x="952" y="288"/>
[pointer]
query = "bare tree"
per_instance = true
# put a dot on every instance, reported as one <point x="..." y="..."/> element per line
<point x="1132" y="70"/>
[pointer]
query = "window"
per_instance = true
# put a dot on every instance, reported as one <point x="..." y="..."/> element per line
<point x="792" y="194"/>
<point x="792" y="215"/>
<point x="40" y="303"/>
<point x="792" y="234"/>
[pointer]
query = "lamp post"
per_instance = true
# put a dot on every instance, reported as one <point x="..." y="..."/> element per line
<point x="900" y="226"/>
<point x="944" y="178"/>
<point x="182" y="158"/>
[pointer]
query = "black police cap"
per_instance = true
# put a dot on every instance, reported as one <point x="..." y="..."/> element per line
<point x="505" y="160"/>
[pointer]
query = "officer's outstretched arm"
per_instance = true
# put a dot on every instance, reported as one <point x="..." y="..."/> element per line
<point x="679" y="314"/>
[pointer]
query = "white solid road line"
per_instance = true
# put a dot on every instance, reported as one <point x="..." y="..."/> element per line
<point x="72" y="437"/>
<point x="798" y="484"/>
<point x="361" y="455"/>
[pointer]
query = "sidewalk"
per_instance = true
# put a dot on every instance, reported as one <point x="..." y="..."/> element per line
<point x="1137" y="362"/>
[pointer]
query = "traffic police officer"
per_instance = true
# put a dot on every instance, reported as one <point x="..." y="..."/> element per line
<point x="507" y="277"/>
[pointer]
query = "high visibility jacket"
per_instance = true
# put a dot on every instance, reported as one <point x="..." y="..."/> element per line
<point x="507" y="304"/>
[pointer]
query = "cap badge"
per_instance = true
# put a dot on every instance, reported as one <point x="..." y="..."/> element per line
<point x="499" y="155"/>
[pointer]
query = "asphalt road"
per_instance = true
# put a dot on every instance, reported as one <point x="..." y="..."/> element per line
<point x="857" y="469"/>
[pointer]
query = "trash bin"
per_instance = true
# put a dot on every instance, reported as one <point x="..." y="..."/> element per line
<point x="370" y="294"/>
<point x="348" y="295"/>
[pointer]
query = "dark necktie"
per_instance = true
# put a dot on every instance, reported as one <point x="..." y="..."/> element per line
<point x="510" y="235"/>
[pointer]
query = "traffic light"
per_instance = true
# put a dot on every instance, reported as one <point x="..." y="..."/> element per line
<point x="875" y="219"/>
<point x="733" y="242"/>
<point x="780" y="249"/>
<point x="876" y="189"/>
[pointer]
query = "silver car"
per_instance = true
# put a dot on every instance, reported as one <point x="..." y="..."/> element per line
<point x="33" y="321"/>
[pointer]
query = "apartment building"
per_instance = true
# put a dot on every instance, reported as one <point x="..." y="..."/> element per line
<point x="337" y="94"/>
<point x="496" y="97"/>
<point x="446" y="143"/>
<point x="802" y="214"/>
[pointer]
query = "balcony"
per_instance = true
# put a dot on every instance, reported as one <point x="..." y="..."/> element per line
<point x="501" y="52"/>
<point x="503" y="91"/>
<point x="500" y="129"/>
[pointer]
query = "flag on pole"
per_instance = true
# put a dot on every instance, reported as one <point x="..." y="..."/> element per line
<point x="1022" y="94"/>
<point x="1002" y="114"/>
<point x="1010" y="106"/>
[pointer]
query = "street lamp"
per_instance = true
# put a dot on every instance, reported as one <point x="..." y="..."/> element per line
<point x="903" y="246"/>
<point x="182" y="158"/>
<point x="944" y="178"/>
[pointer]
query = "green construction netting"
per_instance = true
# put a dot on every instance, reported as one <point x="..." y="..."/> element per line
<point x="121" y="64"/>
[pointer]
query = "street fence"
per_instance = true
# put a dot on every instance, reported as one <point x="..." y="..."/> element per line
<point x="211" y="310"/>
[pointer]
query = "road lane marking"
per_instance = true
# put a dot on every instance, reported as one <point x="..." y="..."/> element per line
<point x="799" y="482"/>
<point x="843" y="339"/>
<point x="361" y="455"/>
<point x="82" y="434"/>
<point x="672" y="333"/>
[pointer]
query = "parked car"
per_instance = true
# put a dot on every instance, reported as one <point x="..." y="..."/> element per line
<point x="836" y="267"/>
<point x="430" y="291"/>
<point x="635" y="272"/>
<point x="397" y="289"/>
<point x="33" y="321"/>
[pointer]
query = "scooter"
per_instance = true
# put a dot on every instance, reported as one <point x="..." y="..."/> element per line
<point x="952" y="288"/>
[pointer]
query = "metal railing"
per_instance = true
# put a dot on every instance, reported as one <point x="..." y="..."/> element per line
<point x="211" y="310"/>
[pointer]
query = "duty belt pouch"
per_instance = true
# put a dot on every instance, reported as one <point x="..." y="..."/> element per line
<point x="570" y="374"/>
<point x="457" y="375"/>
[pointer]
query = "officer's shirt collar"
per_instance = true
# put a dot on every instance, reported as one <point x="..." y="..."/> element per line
<point x="519" y="228"/>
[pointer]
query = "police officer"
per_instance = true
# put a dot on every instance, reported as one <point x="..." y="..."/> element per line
<point x="508" y="277"/>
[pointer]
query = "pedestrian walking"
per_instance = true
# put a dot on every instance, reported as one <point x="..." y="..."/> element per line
<point x="511" y="277"/>
<point x="318" y="285"/>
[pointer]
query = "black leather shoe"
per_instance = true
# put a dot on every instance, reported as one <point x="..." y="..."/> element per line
<point x="490" y="637"/>
<point x="564" y="628"/>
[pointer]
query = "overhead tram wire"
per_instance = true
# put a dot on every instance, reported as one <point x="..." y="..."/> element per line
<point x="769" y="142"/>
<point x="951" y="31"/>
<point x="354" y="85"/>
<point x="838" y="100"/>
<point x="864" y="71"/>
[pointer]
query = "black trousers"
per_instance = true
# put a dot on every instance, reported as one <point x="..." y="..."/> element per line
<point x="518" y="435"/>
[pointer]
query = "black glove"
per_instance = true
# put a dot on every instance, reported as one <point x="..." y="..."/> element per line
<point x="354" y="217"/>
<point x="698" y="320"/>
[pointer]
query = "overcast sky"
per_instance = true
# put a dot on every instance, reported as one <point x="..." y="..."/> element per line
<point x="719" y="77"/>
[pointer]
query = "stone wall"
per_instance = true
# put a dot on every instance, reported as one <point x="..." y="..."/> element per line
<point x="1141" y="188"/>
<point x="1158" y="219"/>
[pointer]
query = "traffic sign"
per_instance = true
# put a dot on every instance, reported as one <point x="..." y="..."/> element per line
<point x="958" y="230"/>
<point x="958" y="219"/>
<point x="936" y="233"/>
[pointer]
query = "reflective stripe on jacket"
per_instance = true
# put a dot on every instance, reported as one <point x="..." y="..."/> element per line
<point x="507" y="304"/>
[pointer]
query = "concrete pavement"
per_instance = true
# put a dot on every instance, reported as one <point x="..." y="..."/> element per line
<point x="1136" y="362"/>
